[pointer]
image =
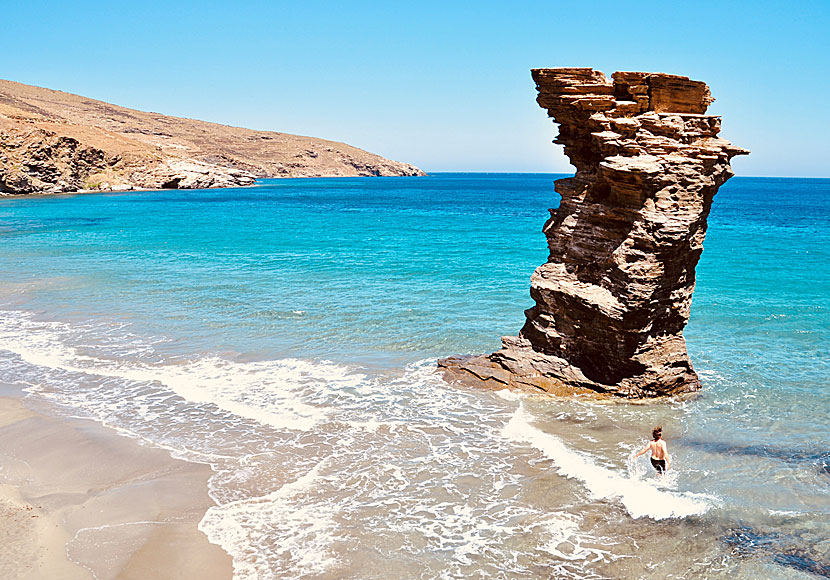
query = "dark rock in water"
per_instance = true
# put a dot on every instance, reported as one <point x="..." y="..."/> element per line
<point x="744" y="540"/>
<point x="799" y="457"/>
<point x="615" y="294"/>
<point x="784" y="549"/>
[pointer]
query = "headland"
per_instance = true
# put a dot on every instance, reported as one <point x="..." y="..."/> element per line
<point x="52" y="142"/>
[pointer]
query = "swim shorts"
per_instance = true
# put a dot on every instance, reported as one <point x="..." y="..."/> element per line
<point x="659" y="465"/>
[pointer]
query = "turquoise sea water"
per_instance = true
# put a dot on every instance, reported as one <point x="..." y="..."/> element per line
<point x="287" y="334"/>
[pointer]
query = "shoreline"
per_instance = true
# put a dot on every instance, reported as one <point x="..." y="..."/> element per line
<point x="9" y="195"/>
<point x="80" y="501"/>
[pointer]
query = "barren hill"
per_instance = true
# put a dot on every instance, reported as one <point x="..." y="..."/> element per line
<point x="51" y="141"/>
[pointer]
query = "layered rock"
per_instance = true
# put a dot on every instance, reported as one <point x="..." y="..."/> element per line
<point x="615" y="294"/>
<point x="34" y="160"/>
<point x="52" y="141"/>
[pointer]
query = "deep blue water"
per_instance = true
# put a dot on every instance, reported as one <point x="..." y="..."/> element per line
<point x="208" y="293"/>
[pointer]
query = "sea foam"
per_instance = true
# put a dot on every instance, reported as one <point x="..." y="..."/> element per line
<point x="640" y="498"/>
<point x="268" y="392"/>
<point x="306" y="452"/>
<point x="306" y="529"/>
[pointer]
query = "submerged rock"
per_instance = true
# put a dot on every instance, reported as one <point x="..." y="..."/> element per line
<point x="615" y="294"/>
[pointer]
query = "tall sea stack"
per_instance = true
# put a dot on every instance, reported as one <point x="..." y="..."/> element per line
<point x="615" y="294"/>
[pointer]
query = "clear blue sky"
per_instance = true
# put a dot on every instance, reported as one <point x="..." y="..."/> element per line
<point x="444" y="85"/>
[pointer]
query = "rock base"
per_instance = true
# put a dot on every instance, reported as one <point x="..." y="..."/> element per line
<point x="518" y="366"/>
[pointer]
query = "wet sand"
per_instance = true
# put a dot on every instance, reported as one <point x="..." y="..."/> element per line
<point x="79" y="501"/>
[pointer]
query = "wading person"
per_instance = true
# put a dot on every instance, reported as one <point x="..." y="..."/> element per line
<point x="659" y="452"/>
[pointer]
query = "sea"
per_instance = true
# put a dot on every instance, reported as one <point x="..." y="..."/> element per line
<point x="287" y="334"/>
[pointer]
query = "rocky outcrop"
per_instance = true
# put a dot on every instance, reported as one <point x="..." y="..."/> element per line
<point x="53" y="142"/>
<point x="39" y="161"/>
<point x="615" y="294"/>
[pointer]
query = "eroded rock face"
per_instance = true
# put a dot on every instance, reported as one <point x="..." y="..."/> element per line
<point x="34" y="160"/>
<point x="615" y="294"/>
<point x="52" y="142"/>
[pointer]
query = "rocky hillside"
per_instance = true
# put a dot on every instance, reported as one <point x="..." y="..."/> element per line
<point x="52" y="142"/>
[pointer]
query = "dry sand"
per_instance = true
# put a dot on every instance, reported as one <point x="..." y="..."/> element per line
<point x="79" y="501"/>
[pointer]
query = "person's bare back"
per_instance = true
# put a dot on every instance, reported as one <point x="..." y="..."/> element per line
<point x="658" y="449"/>
<point x="659" y="452"/>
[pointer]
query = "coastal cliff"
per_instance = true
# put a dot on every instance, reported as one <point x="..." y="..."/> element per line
<point x="616" y="292"/>
<point x="53" y="142"/>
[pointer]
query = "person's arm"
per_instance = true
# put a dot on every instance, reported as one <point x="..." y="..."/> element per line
<point x="643" y="451"/>
<point x="666" y="455"/>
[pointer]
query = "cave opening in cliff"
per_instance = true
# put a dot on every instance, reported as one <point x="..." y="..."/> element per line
<point x="621" y="92"/>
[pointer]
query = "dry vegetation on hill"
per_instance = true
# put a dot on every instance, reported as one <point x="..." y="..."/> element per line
<point x="52" y="141"/>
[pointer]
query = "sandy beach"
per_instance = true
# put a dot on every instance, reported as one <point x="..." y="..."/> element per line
<point x="80" y="501"/>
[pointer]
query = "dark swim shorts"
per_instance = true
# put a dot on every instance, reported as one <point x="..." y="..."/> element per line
<point x="659" y="465"/>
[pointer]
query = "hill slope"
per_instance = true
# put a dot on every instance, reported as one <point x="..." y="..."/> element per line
<point x="52" y="141"/>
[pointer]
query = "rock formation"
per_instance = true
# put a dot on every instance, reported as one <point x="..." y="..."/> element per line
<point x="615" y="294"/>
<point x="52" y="141"/>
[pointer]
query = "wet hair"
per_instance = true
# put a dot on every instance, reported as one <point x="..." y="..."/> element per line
<point x="656" y="433"/>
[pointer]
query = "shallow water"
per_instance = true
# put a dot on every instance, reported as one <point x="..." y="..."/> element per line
<point x="286" y="334"/>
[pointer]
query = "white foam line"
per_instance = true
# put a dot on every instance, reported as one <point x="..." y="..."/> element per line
<point x="306" y="529"/>
<point x="563" y="530"/>
<point x="262" y="391"/>
<point x="509" y="395"/>
<point x="640" y="498"/>
<point x="125" y="524"/>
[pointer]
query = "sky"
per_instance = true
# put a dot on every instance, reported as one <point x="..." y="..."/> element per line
<point x="444" y="85"/>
